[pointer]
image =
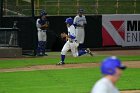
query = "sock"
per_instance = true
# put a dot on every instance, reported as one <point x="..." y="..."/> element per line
<point x="62" y="58"/>
<point x="80" y="47"/>
<point x="81" y="52"/>
<point x="43" y="47"/>
<point x="39" y="47"/>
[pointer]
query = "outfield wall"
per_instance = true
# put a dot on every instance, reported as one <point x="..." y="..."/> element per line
<point x="101" y="31"/>
<point x="123" y="30"/>
<point x="28" y="32"/>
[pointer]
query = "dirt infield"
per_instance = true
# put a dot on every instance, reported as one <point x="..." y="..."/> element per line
<point x="118" y="52"/>
<point x="131" y="91"/>
<point x="130" y="64"/>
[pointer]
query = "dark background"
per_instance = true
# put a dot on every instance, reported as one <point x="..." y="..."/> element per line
<point x="28" y="32"/>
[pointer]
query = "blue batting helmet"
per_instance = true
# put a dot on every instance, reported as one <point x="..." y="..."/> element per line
<point x="43" y="13"/>
<point x="109" y="65"/>
<point x="69" y="20"/>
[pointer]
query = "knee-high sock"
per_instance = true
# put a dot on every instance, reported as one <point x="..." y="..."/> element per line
<point x="81" y="52"/>
<point x="43" y="47"/>
<point x="39" y="47"/>
<point x="80" y="47"/>
<point x="62" y="58"/>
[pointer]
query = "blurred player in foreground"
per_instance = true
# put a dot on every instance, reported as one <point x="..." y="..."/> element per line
<point x="71" y="43"/>
<point x="111" y="68"/>
<point x="42" y="27"/>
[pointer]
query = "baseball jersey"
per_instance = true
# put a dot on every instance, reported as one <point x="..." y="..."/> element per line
<point x="40" y="22"/>
<point x="104" y="85"/>
<point x="72" y="33"/>
<point x="80" y="20"/>
<point x="71" y="44"/>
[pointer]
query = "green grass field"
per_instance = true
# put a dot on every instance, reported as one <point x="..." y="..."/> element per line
<point x="72" y="80"/>
<point x="54" y="57"/>
<point x="62" y="81"/>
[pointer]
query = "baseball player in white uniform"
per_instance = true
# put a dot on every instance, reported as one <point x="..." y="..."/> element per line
<point x="79" y="23"/>
<point x="111" y="68"/>
<point x="71" y="43"/>
<point x="42" y="26"/>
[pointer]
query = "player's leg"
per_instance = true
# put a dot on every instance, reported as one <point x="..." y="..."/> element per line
<point x="80" y="35"/>
<point x="81" y="39"/>
<point x="84" y="51"/>
<point x="89" y="52"/>
<point x="44" y="37"/>
<point x="39" y="43"/>
<point x="75" y="51"/>
<point x="81" y="52"/>
<point x="74" y="48"/>
<point x="64" y="50"/>
<point x="77" y="35"/>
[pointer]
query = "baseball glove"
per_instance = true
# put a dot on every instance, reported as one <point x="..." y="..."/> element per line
<point x="44" y="27"/>
<point x="64" y="36"/>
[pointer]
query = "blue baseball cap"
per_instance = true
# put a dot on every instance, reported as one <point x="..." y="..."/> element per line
<point x="109" y="65"/>
<point x="69" y="21"/>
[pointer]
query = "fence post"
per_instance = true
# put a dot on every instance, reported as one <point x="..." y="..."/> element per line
<point x="135" y="5"/>
<point x="96" y="7"/>
<point x="38" y="7"/>
<point x="17" y="3"/>
<point x="77" y="4"/>
<point x="1" y="11"/>
<point x="32" y="8"/>
<point x="58" y="5"/>
<point x="117" y="6"/>
<point x="5" y="7"/>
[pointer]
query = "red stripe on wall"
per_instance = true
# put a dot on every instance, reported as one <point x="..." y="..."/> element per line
<point x="117" y="24"/>
<point x="120" y="28"/>
<point x="107" y="39"/>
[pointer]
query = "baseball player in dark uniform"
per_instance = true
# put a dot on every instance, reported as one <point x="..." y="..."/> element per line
<point x="42" y="26"/>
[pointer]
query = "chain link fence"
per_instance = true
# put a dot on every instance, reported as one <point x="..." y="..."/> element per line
<point x="70" y="7"/>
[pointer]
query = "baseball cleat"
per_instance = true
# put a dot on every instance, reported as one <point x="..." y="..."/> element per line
<point x="89" y="52"/>
<point x="60" y="63"/>
<point x="45" y="54"/>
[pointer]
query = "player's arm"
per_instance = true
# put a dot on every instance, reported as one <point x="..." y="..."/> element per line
<point x="78" y="25"/>
<point x="44" y="26"/>
<point x="85" y="21"/>
<point x="71" y="36"/>
<point x="64" y="36"/>
<point x="75" y="23"/>
<point x="38" y="25"/>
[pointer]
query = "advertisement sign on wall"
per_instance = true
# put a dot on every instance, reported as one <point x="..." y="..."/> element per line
<point x="123" y="30"/>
